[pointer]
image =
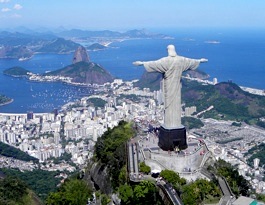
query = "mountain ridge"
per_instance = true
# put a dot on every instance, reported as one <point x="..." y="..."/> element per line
<point x="84" y="72"/>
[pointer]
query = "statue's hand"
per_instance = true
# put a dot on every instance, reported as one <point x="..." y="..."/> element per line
<point x="203" y="60"/>
<point x="138" y="63"/>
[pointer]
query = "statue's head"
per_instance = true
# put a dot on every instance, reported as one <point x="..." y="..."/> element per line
<point x="171" y="50"/>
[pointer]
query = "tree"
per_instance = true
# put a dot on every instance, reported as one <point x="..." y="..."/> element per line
<point x="199" y="191"/>
<point x="173" y="178"/>
<point x="144" y="193"/>
<point x="12" y="191"/>
<point x="144" y="168"/>
<point x="73" y="191"/>
<point x="123" y="175"/>
<point x="126" y="194"/>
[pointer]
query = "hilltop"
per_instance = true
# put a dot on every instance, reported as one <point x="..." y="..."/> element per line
<point x="58" y="45"/>
<point x="84" y="72"/>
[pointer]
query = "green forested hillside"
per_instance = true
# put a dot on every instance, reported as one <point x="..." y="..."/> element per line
<point x="40" y="181"/>
<point x="229" y="101"/>
<point x="13" y="191"/>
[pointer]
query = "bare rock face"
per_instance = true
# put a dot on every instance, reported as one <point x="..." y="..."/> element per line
<point x="98" y="176"/>
<point x="80" y="55"/>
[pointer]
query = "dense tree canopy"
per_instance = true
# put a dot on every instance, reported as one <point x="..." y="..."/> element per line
<point x="191" y="122"/>
<point x="200" y="191"/>
<point x="40" y="181"/>
<point x="141" y="194"/>
<point x="73" y="191"/>
<point x="144" y="168"/>
<point x="97" y="102"/>
<point x="173" y="178"/>
<point x="257" y="151"/>
<point x="13" y="191"/>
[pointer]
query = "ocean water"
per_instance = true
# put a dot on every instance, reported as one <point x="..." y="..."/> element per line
<point x="236" y="55"/>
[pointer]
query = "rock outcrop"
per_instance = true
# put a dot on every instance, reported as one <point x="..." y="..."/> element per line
<point x="99" y="177"/>
<point x="80" y="55"/>
<point x="84" y="71"/>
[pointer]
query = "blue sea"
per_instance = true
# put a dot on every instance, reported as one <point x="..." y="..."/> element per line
<point x="236" y="55"/>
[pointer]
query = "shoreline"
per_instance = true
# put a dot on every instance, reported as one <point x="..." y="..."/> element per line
<point x="244" y="88"/>
<point x="254" y="91"/>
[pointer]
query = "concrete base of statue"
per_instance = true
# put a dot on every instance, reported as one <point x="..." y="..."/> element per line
<point x="172" y="139"/>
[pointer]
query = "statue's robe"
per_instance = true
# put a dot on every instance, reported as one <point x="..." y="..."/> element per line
<point x="172" y="68"/>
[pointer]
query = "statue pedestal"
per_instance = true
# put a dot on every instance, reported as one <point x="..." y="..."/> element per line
<point x="170" y="139"/>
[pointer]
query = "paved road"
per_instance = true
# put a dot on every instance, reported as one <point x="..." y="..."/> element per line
<point x="226" y="191"/>
<point x="171" y="193"/>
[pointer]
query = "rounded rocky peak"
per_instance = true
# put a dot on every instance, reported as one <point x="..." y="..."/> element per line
<point x="80" y="55"/>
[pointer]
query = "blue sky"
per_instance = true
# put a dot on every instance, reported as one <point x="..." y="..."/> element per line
<point x="128" y="14"/>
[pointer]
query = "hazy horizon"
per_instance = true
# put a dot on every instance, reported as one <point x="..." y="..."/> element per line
<point x="122" y="15"/>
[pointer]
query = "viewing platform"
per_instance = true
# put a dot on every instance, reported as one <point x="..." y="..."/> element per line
<point x="187" y="163"/>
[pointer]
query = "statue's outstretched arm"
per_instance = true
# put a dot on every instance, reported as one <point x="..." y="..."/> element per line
<point x="203" y="60"/>
<point x="138" y="63"/>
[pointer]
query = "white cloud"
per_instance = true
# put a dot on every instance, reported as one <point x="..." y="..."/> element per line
<point x="4" y="1"/>
<point x="5" y="9"/>
<point x="17" y="6"/>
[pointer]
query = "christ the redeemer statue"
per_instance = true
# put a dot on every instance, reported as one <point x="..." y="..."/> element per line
<point x="172" y="68"/>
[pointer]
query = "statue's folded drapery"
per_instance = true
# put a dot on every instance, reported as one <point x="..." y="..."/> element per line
<point x="172" y="67"/>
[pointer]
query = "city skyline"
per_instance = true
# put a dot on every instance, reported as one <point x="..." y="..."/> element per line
<point x="119" y="15"/>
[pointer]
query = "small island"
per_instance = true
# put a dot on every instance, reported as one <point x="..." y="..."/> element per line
<point x="4" y="100"/>
<point x="96" y="46"/>
<point x="16" y="72"/>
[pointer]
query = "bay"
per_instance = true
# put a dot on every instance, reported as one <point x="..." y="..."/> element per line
<point x="38" y="97"/>
<point x="234" y="55"/>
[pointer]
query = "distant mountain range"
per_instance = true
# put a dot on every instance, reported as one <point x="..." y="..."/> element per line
<point x="24" y="44"/>
<point x="77" y="33"/>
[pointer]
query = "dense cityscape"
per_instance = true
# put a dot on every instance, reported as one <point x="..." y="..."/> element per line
<point x="76" y="127"/>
